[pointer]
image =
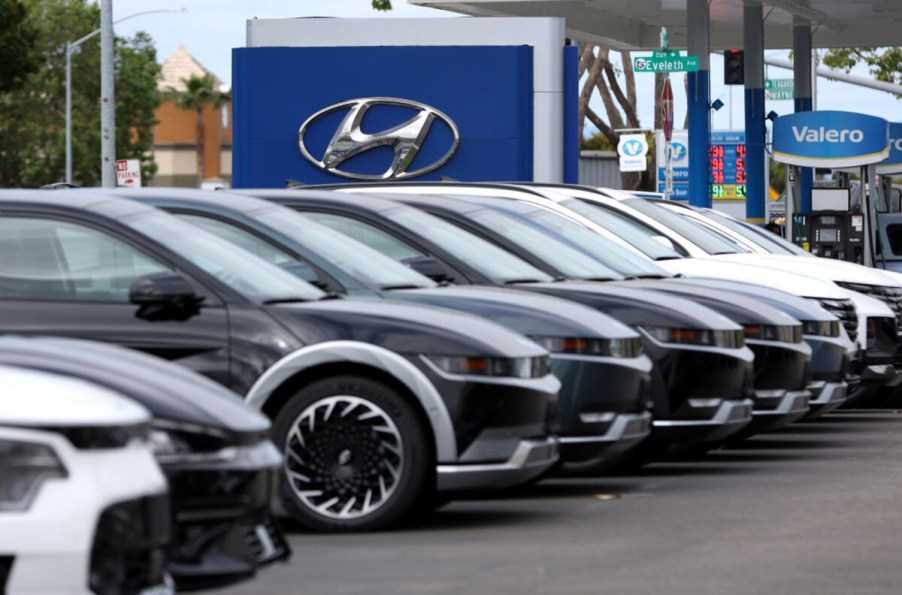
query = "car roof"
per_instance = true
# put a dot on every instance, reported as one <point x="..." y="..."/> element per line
<point x="93" y="200"/>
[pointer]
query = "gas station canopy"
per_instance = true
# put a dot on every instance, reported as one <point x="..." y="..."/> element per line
<point x="636" y="24"/>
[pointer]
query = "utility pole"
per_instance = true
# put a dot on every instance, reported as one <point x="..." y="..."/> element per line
<point x="107" y="98"/>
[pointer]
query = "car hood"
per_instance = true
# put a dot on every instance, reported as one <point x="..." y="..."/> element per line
<point x="637" y="307"/>
<point x="823" y="268"/>
<point x="767" y="275"/>
<point x="403" y="328"/>
<point x="739" y="308"/>
<point x="167" y="390"/>
<point x="528" y="313"/>
<point x="797" y="307"/>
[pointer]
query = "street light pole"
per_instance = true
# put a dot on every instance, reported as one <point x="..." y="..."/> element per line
<point x="70" y="48"/>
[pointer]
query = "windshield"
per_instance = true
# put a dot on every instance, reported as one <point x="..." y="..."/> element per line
<point x="365" y="264"/>
<point x="569" y="261"/>
<point x="608" y="252"/>
<point x="634" y="233"/>
<point x="709" y="241"/>
<point x="764" y="238"/>
<point x="487" y="258"/>
<point x="237" y="268"/>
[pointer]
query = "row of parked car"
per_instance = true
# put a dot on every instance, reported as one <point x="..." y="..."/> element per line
<point x="354" y="356"/>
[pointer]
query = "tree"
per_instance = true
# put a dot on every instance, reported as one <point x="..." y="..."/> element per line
<point x="200" y="91"/>
<point x="32" y="116"/>
<point x="884" y="63"/>
<point x="619" y="101"/>
<point x="382" y="5"/>
<point x="17" y="41"/>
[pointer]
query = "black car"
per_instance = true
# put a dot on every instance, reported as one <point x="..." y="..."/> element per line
<point x="605" y="379"/>
<point x="375" y="406"/>
<point x="214" y="449"/>
<point x="782" y="359"/>
<point x="702" y="378"/>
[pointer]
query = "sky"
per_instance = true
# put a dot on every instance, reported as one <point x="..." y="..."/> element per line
<point x="209" y="29"/>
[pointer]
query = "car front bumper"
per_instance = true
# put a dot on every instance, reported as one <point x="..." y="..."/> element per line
<point x="825" y="397"/>
<point x="530" y="459"/>
<point x="730" y="417"/>
<point x="223" y="530"/>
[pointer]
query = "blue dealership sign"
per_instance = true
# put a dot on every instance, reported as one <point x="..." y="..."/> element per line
<point x="334" y="114"/>
<point x="893" y="163"/>
<point x="830" y="139"/>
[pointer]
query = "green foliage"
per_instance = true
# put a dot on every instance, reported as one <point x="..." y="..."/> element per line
<point x="885" y="64"/>
<point x="32" y="117"/>
<point x="382" y="4"/>
<point x="199" y="91"/>
<point x="778" y="176"/>
<point x="597" y="142"/>
<point x="17" y="40"/>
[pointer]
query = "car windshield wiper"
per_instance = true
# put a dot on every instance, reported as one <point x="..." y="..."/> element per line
<point x="676" y="257"/>
<point x="524" y="280"/>
<point x="286" y="300"/>
<point x="401" y="286"/>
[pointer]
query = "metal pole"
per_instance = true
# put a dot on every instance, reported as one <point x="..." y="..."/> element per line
<point x="755" y="127"/>
<point x="71" y="47"/>
<point x="68" y="113"/>
<point x="699" y="99"/>
<point x="801" y="49"/>
<point x="107" y="97"/>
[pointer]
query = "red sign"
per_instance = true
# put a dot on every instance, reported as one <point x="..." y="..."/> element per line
<point x="667" y="110"/>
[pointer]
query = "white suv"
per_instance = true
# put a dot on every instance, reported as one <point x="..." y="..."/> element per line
<point x="83" y="505"/>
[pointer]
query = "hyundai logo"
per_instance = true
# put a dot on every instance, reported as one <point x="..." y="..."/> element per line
<point x="405" y="139"/>
<point x="679" y="151"/>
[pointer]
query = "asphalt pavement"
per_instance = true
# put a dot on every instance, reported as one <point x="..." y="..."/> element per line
<point x="813" y="508"/>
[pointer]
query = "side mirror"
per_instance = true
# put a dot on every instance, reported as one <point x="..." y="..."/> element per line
<point x="164" y="296"/>
<point x="430" y="267"/>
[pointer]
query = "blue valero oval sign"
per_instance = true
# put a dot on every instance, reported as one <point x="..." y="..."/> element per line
<point x="893" y="163"/>
<point x="830" y="139"/>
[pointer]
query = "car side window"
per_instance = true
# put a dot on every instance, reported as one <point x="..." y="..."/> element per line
<point x="48" y="259"/>
<point x="240" y="237"/>
<point x="371" y="236"/>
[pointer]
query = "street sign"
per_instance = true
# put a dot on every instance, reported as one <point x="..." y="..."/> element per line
<point x="667" y="109"/>
<point x="128" y="173"/>
<point x="779" y="89"/>
<point x="666" y="61"/>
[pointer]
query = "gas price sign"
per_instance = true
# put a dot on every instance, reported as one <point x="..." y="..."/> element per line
<point x="726" y="165"/>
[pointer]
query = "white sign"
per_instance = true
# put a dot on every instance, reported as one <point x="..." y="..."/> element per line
<point x="128" y="173"/>
<point x="632" y="149"/>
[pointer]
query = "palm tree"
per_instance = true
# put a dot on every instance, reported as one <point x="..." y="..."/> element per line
<point x="199" y="92"/>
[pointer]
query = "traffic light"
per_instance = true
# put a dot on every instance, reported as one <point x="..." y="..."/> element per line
<point x="733" y="67"/>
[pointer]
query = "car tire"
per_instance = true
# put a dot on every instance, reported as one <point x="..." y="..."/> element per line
<point x="356" y="456"/>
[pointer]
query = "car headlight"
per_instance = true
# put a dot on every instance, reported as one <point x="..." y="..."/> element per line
<point x="629" y="347"/>
<point x="690" y="336"/>
<point x="24" y="466"/>
<point x="769" y="332"/>
<point x="517" y="367"/>
<point x="821" y="328"/>
<point x="177" y="442"/>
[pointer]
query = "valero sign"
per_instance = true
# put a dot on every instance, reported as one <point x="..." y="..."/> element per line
<point x="893" y="163"/>
<point x="830" y="139"/>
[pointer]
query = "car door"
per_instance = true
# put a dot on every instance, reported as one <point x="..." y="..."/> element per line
<point x="70" y="277"/>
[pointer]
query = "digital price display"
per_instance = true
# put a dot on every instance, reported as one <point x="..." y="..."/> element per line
<point x="726" y="167"/>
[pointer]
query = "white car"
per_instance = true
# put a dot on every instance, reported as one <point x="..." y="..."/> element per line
<point x="83" y="505"/>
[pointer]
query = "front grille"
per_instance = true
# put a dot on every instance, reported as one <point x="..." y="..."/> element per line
<point x="6" y="568"/>
<point x="845" y="311"/>
<point x="891" y="296"/>
<point x="264" y="541"/>
<point x="127" y="555"/>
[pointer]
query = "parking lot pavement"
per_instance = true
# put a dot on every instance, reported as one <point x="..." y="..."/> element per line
<point x="814" y="508"/>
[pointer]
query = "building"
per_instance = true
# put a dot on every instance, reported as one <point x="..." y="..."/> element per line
<point x="175" y="134"/>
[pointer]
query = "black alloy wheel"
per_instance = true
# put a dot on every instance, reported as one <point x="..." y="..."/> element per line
<point x="356" y="456"/>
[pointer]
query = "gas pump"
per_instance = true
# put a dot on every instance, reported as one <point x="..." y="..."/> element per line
<point x="832" y="227"/>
